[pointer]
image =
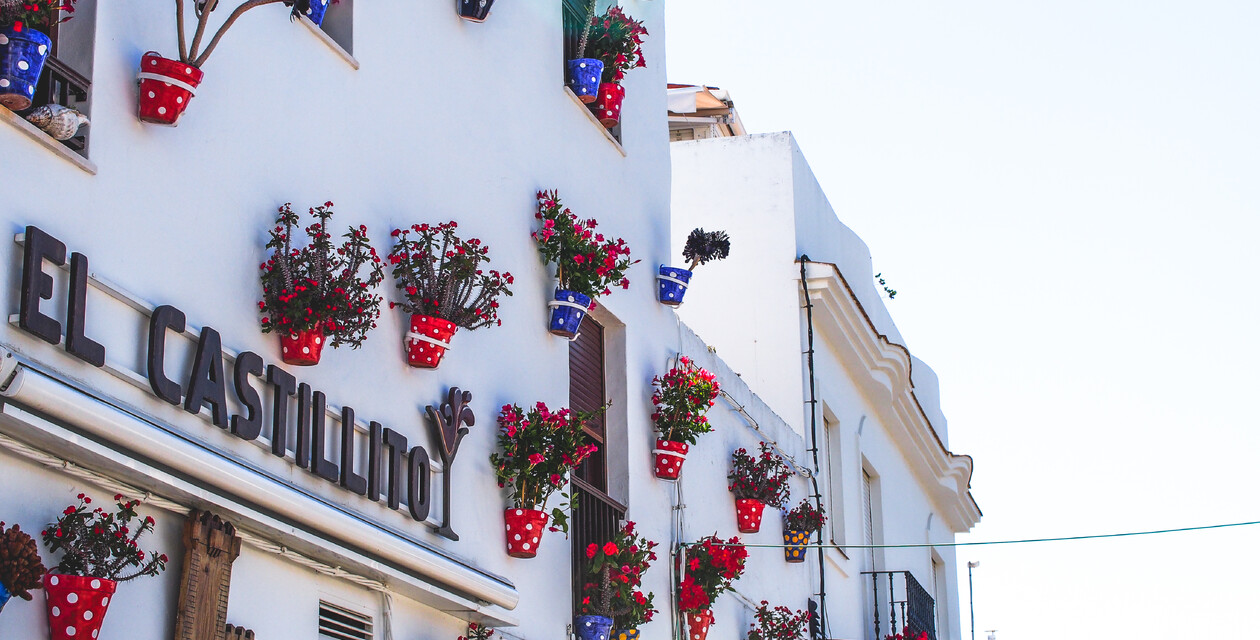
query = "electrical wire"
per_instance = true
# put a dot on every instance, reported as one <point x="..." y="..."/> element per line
<point x="995" y="542"/>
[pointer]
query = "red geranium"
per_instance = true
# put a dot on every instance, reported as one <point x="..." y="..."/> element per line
<point x="441" y="275"/>
<point x="763" y="478"/>
<point x="586" y="261"/>
<point x="41" y="15"/>
<point x="536" y="452"/>
<point x="681" y="398"/>
<point x="616" y="39"/>
<point x="779" y="623"/>
<point x="616" y="572"/>
<point x="712" y="565"/>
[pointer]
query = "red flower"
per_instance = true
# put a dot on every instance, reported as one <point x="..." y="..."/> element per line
<point x="610" y="549"/>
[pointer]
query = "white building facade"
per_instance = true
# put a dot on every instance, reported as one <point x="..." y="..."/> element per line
<point x="402" y="113"/>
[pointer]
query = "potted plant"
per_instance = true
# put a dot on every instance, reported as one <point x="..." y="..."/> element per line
<point x="99" y="549"/>
<point x="907" y="634"/>
<point x="538" y="449"/>
<point x="681" y="398"/>
<point x="20" y="567"/>
<point x="587" y="263"/>
<point x="798" y="524"/>
<point x="477" y="632"/>
<point x="757" y="482"/>
<point x="474" y="10"/>
<point x="25" y="45"/>
<point x="702" y="247"/>
<point x="585" y="73"/>
<point x="167" y="86"/>
<point x="321" y="292"/>
<point x="779" y="623"/>
<point x="617" y="40"/>
<point x="444" y="287"/>
<point x="708" y="566"/>
<point x="612" y="596"/>
<point x="313" y="10"/>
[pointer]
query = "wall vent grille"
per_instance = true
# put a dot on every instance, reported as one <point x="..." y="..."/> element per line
<point x="340" y="623"/>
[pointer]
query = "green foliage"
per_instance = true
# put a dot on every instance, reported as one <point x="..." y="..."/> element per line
<point x="99" y="544"/>
<point x="441" y="275"/>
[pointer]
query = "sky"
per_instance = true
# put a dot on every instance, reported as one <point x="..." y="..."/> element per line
<point x="1065" y="197"/>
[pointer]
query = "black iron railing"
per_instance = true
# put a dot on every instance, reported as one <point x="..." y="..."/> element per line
<point x="902" y="603"/>
<point x="596" y="518"/>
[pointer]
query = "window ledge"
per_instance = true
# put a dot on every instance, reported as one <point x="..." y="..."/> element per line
<point x="590" y="116"/>
<point x="34" y="133"/>
<point x="332" y="44"/>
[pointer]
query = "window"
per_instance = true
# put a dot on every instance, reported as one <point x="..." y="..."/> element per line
<point x="573" y="16"/>
<point x="67" y="76"/>
<point x="939" y="595"/>
<point x="340" y="623"/>
<point x="597" y="516"/>
<point x="868" y="518"/>
<point x="835" y="478"/>
<point x="339" y="24"/>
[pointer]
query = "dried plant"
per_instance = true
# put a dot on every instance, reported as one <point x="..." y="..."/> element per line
<point x="705" y="246"/>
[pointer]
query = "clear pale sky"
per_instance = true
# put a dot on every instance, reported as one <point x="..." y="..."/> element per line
<point x="1066" y="196"/>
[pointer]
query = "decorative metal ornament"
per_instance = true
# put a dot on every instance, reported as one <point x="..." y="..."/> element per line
<point x="62" y="123"/>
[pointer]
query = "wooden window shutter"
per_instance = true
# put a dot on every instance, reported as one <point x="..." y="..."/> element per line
<point x="588" y="393"/>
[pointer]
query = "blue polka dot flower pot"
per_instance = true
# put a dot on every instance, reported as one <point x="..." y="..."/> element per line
<point x="22" y="56"/>
<point x="673" y="285"/>
<point x="567" y="311"/>
<point x="474" y="10"/>
<point x="584" y="77"/>
<point x="593" y="627"/>
<point x="316" y="12"/>
<point x="4" y="596"/>
<point x="794" y="545"/>
<point x="627" y="634"/>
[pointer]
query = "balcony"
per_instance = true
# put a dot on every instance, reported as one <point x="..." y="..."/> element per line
<point x="901" y="602"/>
<point x="596" y="520"/>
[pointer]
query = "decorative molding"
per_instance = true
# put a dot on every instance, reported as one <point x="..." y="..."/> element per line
<point x="849" y="330"/>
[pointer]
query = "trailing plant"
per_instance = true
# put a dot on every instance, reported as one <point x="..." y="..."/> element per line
<point x="40" y="15"/>
<point x="537" y="450"/>
<point x="778" y="623"/>
<point x="892" y="293"/>
<point x="441" y="275"/>
<point x="617" y="39"/>
<point x="681" y="398"/>
<point x="706" y="246"/>
<point x="763" y="478"/>
<point x="804" y="517"/>
<point x="907" y="634"/>
<point x="709" y="566"/>
<point x="320" y="285"/>
<point x="615" y="572"/>
<point x="20" y="566"/>
<point x="98" y="544"/>
<point x="477" y="632"/>
<point x="586" y="261"/>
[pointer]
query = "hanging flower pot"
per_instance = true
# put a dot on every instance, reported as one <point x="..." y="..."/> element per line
<point x="524" y="531"/>
<point x="592" y="627"/>
<point x="22" y="56"/>
<point x="474" y="10"/>
<point x="166" y="88"/>
<point x="4" y="596"/>
<point x="794" y="545"/>
<point x="748" y="515"/>
<point x="673" y="285"/>
<point x="77" y="605"/>
<point x="428" y="340"/>
<point x="698" y="624"/>
<point x="669" y="458"/>
<point x="584" y="76"/>
<point x="302" y="349"/>
<point x="628" y="634"/>
<point x="316" y="11"/>
<point x="567" y="311"/>
<point x="607" y="105"/>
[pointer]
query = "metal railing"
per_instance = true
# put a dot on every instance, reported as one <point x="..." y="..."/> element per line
<point x="59" y="84"/>
<point x="903" y="603"/>
<point x="595" y="520"/>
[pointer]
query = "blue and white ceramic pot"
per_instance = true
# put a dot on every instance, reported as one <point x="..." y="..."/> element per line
<point x="673" y="285"/>
<point x="316" y="12"/>
<point x="22" y="56"/>
<point x="593" y="627"/>
<point x="584" y="78"/>
<point x="4" y="596"/>
<point x="567" y="311"/>
<point x="474" y="10"/>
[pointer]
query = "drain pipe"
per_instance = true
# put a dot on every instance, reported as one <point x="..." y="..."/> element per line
<point x="813" y="436"/>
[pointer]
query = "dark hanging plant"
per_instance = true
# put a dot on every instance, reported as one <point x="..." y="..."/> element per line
<point x="20" y="566"/>
<point x="706" y="246"/>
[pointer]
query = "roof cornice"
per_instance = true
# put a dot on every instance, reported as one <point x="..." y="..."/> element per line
<point x="842" y="319"/>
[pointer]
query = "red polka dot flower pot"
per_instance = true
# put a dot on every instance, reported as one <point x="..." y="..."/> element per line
<point x="77" y="605"/>
<point x="669" y="458"/>
<point x="302" y="348"/>
<point x="748" y="515"/>
<point x="428" y="340"/>
<point x="698" y="624"/>
<point x="524" y="531"/>
<point x="607" y="106"/>
<point x="166" y="88"/>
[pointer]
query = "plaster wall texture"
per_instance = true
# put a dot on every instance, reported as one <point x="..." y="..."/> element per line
<point x="761" y="190"/>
